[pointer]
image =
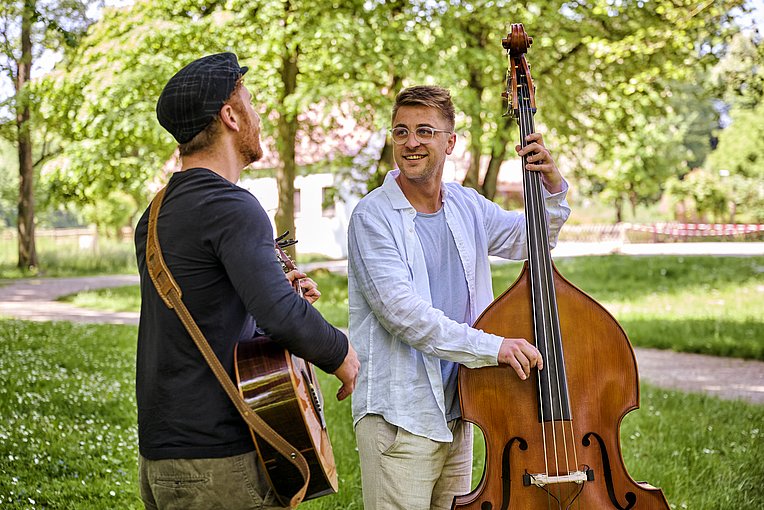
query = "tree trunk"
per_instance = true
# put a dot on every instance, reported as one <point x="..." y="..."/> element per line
<point x="634" y="200"/>
<point x="618" y="203"/>
<point x="472" y="178"/>
<point x="27" y="250"/>
<point x="384" y="165"/>
<point x="498" y="155"/>
<point x="287" y="129"/>
<point x="386" y="161"/>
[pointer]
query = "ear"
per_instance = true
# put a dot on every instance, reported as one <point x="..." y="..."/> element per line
<point x="451" y="144"/>
<point x="229" y="117"/>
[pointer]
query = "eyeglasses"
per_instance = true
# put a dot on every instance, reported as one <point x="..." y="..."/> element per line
<point x="423" y="134"/>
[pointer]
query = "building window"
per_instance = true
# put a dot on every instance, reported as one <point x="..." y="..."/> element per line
<point x="328" y="200"/>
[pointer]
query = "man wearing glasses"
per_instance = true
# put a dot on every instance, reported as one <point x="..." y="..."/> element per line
<point x="419" y="275"/>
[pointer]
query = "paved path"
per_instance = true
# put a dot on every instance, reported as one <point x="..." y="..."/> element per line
<point x="730" y="378"/>
<point x="33" y="299"/>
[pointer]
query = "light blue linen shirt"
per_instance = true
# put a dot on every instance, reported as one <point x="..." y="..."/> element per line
<point x="398" y="335"/>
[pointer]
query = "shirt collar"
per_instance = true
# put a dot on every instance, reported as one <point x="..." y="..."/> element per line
<point x="396" y="196"/>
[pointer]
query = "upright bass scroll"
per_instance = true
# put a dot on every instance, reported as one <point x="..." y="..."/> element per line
<point x="552" y="440"/>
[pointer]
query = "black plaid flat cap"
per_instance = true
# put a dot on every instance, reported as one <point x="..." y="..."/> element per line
<point x="195" y="95"/>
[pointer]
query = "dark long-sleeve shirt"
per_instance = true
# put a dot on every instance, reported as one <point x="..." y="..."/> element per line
<point x="218" y="244"/>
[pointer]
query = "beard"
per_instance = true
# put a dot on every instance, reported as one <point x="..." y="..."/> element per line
<point x="248" y="143"/>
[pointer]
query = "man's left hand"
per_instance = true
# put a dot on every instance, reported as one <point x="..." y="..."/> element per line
<point x="309" y="288"/>
<point x="540" y="160"/>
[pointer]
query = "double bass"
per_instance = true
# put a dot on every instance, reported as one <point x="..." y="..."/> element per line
<point x="552" y="440"/>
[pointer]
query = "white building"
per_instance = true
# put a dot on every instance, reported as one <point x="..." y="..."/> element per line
<point x="321" y="214"/>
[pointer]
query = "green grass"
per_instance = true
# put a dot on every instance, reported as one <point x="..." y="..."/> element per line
<point x="63" y="257"/>
<point x="114" y="299"/>
<point x="702" y="304"/>
<point x="708" y="305"/>
<point x="68" y="435"/>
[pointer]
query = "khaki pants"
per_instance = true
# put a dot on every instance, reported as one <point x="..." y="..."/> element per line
<point x="231" y="483"/>
<point x="400" y="470"/>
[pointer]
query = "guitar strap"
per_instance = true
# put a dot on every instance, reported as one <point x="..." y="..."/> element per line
<point x="171" y="294"/>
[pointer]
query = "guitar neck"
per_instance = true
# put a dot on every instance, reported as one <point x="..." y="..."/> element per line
<point x="287" y="265"/>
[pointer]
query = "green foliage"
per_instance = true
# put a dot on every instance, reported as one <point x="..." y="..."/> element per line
<point x="730" y="184"/>
<point x="631" y="110"/>
<point x="9" y="184"/>
<point x="616" y="82"/>
<point x="102" y="101"/>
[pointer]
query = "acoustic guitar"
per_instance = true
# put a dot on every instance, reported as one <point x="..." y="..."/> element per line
<point x="283" y="390"/>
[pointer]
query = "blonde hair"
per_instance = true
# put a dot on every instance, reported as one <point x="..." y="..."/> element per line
<point x="427" y="95"/>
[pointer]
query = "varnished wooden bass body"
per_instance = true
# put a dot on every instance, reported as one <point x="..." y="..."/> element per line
<point x="603" y="386"/>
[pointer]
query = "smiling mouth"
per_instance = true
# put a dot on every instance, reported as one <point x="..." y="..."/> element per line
<point x="414" y="157"/>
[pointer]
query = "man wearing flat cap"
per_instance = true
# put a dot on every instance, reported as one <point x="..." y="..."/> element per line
<point x="196" y="452"/>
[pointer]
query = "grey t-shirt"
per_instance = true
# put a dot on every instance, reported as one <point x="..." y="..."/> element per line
<point x="448" y="289"/>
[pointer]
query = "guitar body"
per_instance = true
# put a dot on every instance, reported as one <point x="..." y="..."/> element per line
<point x="282" y="389"/>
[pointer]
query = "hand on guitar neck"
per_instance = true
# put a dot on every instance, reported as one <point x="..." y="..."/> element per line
<point x="307" y="287"/>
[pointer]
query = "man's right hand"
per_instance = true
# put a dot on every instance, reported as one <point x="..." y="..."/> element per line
<point x="520" y="355"/>
<point x="347" y="373"/>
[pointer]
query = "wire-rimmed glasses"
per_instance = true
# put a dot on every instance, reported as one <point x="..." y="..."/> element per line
<point x="423" y="134"/>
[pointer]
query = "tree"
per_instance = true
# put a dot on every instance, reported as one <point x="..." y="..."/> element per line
<point x="321" y="62"/>
<point x="101" y="101"/>
<point x="312" y="65"/>
<point x="738" y="159"/>
<point x="28" y="29"/>
<point x="636" y="69"/>
<point x="601" y="68"/>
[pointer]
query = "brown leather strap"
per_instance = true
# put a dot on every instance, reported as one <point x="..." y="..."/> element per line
<point x="171" y="294"/>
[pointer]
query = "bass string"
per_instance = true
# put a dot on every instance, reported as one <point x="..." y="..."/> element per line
<point x="544" y="281"/>
<point x="514" y="71"/>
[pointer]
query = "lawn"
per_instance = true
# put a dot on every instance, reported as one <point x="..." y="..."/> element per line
<point x="68" y="437"/>
<point x="707" y="305"/>
<point x="68" y="434"/>
<point x="64" y="257"/>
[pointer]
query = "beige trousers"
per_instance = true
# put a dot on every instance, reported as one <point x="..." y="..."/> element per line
<point x="400" y="470"/>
